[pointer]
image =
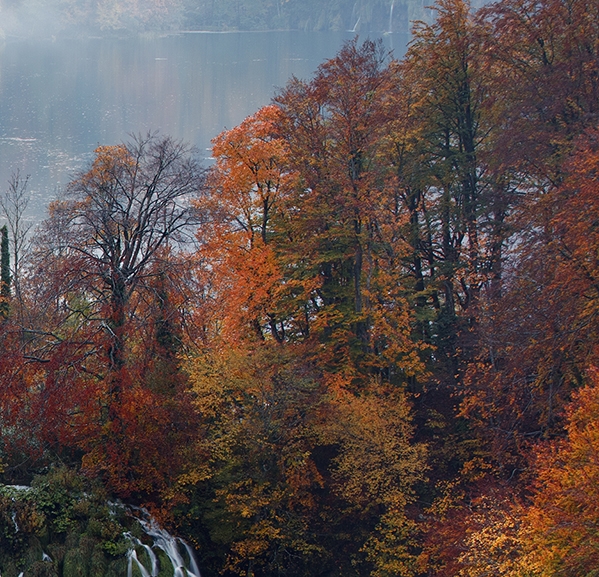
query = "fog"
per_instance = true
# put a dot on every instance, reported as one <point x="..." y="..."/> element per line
<point x="48" y="18"/>
<point x="30" y="18"/>
<point x="61" y="98"/>
<point x="76" y="74"/>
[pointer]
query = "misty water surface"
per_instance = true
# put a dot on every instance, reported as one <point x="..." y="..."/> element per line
<point x="60" y="99"/>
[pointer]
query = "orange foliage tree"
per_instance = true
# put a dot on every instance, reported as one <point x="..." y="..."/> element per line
<point x="246" y="188"/>
<point x="297" y="239"/>
<point x="563" y="516"/>
<point x="302" y="385"/>
<point x="553" y="533"/>
<point x="294" y="459"/>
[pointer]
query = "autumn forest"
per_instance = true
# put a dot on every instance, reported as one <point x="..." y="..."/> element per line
<point x="361" y="343"/>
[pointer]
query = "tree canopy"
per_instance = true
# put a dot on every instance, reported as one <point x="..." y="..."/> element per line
<point x="362" y="342"/>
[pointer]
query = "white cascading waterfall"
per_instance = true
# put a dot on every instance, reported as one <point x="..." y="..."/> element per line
<point x="132" y="556"/>
<point x="133" y="560"/>
<point x="142" y="559"/>
<point x="179" y="553"/>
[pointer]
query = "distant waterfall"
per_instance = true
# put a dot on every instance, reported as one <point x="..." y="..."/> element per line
<point x="354" y="12"/>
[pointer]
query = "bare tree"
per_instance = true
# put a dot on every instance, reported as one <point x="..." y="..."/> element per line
<point x="13" y="204"/>
<point x="111" y="231"/>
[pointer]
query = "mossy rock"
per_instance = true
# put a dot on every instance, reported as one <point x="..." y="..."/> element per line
<point x="33" y="553"/>
<point x="76" y="564"/>
<point x="64" y="528"/>
<point x="164" y="564"/>
<point x="98" y="563"/>
<point x="116" y="568"/>
<point x="42" y="569"/>
<point x="143" y="556"/>
<point x="10" y="569"/>
<point x="57" y="551"/>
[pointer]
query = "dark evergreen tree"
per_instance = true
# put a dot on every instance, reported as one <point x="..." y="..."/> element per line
<point x="5" y="277"/>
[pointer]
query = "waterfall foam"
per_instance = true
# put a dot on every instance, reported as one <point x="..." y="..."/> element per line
<point x="179" y="553"/>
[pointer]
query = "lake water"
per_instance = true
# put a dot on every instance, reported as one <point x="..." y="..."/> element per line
<point x="61" y="98"/>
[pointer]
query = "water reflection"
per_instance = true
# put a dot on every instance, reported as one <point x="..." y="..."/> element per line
<point x="60" y="99"/>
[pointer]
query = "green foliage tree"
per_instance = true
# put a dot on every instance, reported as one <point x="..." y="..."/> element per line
<point x="337" y="242"/>
<point x="13" y="204"/>
<point x="457" y="197"/>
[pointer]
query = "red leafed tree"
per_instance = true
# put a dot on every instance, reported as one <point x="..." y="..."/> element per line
<point x="549" y="51"/>
<point x="99" y="261"/>
<point x="531" y="362"/>
<point x="21" y="431"/>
